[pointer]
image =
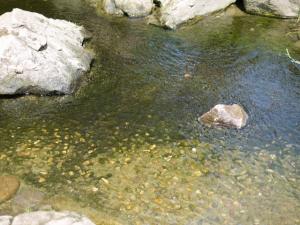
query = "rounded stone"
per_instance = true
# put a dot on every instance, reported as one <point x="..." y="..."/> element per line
<point x="9" y="185"/>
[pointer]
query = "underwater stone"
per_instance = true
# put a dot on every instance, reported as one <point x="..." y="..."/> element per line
<point x="27" y="198"/>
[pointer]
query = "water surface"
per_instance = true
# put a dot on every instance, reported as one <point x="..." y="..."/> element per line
<point x="128" y="143"/>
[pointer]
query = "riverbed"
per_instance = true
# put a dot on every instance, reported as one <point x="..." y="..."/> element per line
<point x="127" y="145"/>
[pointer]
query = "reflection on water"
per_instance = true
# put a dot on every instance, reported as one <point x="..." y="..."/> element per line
<point x="128" y="143"/>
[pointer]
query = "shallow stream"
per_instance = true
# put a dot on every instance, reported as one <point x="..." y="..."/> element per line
<point x="127" y="145"/>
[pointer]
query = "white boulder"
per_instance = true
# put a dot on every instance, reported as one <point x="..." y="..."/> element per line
<point x="5" y="220"/>
<point x="40" y="55"/>
<point x="46" y="218"/>
<point x="171" y="13"/>
<point x="131" y="8"/>
<point x="277" y="8"/>
<point x="231" y="116"/>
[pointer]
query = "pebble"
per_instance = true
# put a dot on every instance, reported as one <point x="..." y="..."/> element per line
<point x="71" y="173"/>
<point x="43" y="172"/>
<point x="95" y="189"/>
<point x="197" y="173"/>
<point x="127" y="160"/>
<point x="105" y="180"/>
<point x="187" y="76"/>
<point x="42" y="180"/>
<point x="152" y="147"/>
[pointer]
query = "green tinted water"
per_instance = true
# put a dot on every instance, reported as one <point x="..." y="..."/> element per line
<point x="128" y="143"/>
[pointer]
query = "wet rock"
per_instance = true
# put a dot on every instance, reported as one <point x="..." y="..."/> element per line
<point x="40" y="55"/>
<point x="231" y="116"/>
<point x="277" y="8"/>
<point x="46" y="218"/>
<point x="171" y="13"/>
<point x="131" y="8"/>
<point x="27" y="198"/>
<point x="9" y="185"/>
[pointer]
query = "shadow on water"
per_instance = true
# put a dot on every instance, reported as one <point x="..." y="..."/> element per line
<point x="128" y="142"/>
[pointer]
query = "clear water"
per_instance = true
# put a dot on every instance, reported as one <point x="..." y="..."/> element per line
<point x="127" y="144"/>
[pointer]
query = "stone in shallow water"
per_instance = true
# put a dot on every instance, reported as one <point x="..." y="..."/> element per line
<point x="231" y="116"/>
<point x="40" y="55"/>
<point x="9" y="185"/>
<point x="46" y="218"/>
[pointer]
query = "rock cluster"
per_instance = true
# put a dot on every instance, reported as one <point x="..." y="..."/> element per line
<point x="40" y="55"/>
<point x="171" y="13"/>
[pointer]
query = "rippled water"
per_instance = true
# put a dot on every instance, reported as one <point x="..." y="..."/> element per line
<point x="128" y="143"/>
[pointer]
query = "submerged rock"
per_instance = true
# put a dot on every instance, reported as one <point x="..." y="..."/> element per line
<point x="9" y="185"/>
<point x="131" y="8"/>
<point x="27" y="198"/>
<point x="231" y="116"/>
<point x="46" y="218"/>
<point x="40" y="55"/>
<point x="277" y="8"/>
<point x="171" y="13"/>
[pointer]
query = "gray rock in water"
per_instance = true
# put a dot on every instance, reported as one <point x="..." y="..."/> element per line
<point x="46" y="218"/>
<point x="40" y="55"/>
<point x="231" y="116"/>
<point x="174" y="12"/>
<point x="132" y="8"/>
<point x="277" y="8"/>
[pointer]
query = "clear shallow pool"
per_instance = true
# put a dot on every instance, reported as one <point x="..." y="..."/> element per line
<point x="128" y="143"/>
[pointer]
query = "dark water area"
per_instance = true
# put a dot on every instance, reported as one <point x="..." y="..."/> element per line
<point x="136" y="101"/>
